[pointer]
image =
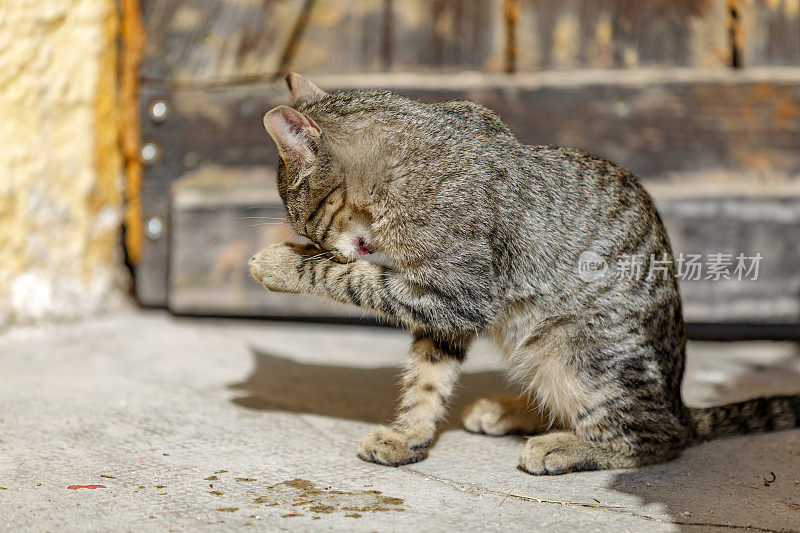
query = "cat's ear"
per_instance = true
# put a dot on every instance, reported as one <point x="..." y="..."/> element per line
<point x="302" y="89"/>
<point x="296" y="135"/>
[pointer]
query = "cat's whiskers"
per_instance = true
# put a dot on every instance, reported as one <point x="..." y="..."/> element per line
<point x="318" y="255"/>
<point x="270" y="218"/>
<point x="258" y="206"/>
<point x="264" y="224"/>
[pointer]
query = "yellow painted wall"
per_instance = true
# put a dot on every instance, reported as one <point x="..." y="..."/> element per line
<point x="60" y="166"/>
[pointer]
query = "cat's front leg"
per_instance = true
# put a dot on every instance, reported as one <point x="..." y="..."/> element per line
<point x="289" y="267"/>
<point x="428" y="381"/>
<point x="435" y="356"/>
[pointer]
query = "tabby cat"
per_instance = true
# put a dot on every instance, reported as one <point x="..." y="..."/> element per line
<point x="484" y="234"/>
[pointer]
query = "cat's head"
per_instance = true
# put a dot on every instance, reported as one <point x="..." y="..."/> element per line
<point x="312" y="176"/>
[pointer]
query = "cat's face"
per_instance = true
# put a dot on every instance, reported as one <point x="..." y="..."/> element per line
<point x="311" y="181"/>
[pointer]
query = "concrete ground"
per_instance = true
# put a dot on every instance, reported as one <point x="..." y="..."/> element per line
<point x="222" y="424"/>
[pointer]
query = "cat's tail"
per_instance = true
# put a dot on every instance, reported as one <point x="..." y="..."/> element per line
<point x="761" y="414"/>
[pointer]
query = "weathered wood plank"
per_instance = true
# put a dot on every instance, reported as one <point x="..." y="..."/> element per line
<point x="655" y="123"/>
<point x="622" y="34"/>
<point x="210" y="40"/>
<point x="731" y="224"/>
<point x="403" y="35"/>
<point x="770" y="32"/>
<point x="659" y="124"/>
<point x="664" y="127"/>
<point x="344" y="36"/>
<point x="447" y="35"/>
<point x="219" y="41"/>
<point x="217" y="225"/>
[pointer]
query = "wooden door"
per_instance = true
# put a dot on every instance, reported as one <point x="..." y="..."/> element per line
<point x="655" y="85"/>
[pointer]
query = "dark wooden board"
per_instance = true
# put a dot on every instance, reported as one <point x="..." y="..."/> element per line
<point x="770" y="32"/>
<point x="622" y="34"/>
<point x="664" y="125"/>
<point x="654" y="122"/>
<point x="661" y="125"/>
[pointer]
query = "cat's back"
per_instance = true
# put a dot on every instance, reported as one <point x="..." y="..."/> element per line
<point x="588" y="196"/>
<point x="565" y="205"/>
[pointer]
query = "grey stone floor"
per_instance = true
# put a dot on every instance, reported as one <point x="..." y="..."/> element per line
<point x="223" y="424"/>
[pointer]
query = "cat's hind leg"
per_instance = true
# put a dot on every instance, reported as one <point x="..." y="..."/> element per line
<point x="427" y="383"/>
<point x="561" y="452"/>
<point x="506" y="414"/>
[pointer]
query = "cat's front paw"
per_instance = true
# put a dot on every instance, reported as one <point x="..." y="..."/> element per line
<point x="277" y="266"/>
<point x="388" y="447"/>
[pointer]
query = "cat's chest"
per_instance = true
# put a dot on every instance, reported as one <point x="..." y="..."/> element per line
<point x="538" y="356"/>
<point x="516" y="325"/>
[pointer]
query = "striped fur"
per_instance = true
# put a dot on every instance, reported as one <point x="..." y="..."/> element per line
<point x="483" y="235"/>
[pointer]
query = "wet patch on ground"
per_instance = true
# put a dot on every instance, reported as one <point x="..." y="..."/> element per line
<point x="303" y="495"/>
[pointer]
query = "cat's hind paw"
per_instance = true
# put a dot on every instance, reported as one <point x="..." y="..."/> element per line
<point x="503" y="415"/>
<point x="388" y="447"/>
<point x="487" y="416"/>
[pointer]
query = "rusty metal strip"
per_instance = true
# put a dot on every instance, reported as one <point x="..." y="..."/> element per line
<point x="512" y="19"/>
<point x="132" y="35"/>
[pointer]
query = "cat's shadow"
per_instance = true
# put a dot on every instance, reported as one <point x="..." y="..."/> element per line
<point x="744" y="482"/>
<point x="363" y="394"/>
<point x="715" y="484"/>
<point x="737" y="483"/>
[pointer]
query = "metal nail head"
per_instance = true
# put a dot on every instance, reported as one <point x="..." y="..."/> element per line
<point x="159" y="110"/>
<point x="154" y="228"/>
